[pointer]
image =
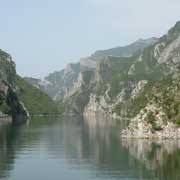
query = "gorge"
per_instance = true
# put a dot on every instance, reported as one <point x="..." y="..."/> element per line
<point x="139" y="82"/>
<point x="90" y="90"/>
<point x="112" y="115"/>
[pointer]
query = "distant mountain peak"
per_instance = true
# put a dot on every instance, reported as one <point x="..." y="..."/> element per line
<point x="126" y="51"/>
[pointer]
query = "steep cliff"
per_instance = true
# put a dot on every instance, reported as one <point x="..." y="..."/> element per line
<point x="143" y="88"/>
<point x="18" y="99"/>
<point x="159" y="115"/>
<point x="11" y="109"/>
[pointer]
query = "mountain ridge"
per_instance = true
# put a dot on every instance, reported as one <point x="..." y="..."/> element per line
<point x="59" y="83"/>
<point x="128" y="50"/>
<point x="138" y="88"/>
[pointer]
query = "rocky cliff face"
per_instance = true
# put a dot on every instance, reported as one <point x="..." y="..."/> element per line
<point x="19" y="99"/>
<point x="143" y="88"/>
<point x="11" y="108"/>
<point x="160" y="115"/>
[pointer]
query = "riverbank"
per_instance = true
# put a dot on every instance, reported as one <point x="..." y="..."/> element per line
<point x="143" y="130"/>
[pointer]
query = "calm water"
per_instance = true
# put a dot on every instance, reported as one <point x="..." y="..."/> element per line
<point x="71" y="149"/>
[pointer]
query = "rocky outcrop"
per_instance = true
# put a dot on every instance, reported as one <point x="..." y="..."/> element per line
<point x="96" y="105"/>
<point x="160" y="118"/>
<point x="142" y="88"/>
<point x="10" y="106"/>
<point x="18" y="98"/>
<point x="151" y="122"/>
<point x="139" y="87"/>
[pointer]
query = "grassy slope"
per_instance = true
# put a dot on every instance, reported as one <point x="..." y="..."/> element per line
<point x="35" y="100"/>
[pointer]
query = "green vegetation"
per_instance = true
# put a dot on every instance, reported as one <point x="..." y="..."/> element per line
<point x="7" y="68"/>
<point x="119" y="68"/>
<point x="166" y="94"/>
<point x="7" y="77"/>
<point x="4" y="108"/>
<point x="152" y="120"/>
<point x="162" y="89"/>
<point x="178" y="121"/>
<point x="87" y="75"/>
<point x="131" y="82"/>
<point x="35" y="100"/>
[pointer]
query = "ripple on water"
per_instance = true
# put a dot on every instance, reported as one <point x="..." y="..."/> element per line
<point x="72" y="150"/>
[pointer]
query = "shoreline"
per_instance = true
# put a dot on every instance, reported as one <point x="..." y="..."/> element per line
<point x="169" y="131"/>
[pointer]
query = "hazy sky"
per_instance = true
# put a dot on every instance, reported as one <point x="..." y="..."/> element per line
<point x="44" y="35"/>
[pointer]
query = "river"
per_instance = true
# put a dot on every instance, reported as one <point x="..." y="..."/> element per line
<point x="70" y="148"/>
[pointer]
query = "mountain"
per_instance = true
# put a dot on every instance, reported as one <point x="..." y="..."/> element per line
<point x="62" y="84"/>
<point x="126" y="51"/>
<point x="58" y="85"/>
<point x="35" y="100"/>
<point x="18" y="99"/>
<point x="143" y="88"/>
<point x="9" y="102"/>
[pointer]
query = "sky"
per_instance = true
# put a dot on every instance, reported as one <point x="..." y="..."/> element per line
<point x="44" y="35"/>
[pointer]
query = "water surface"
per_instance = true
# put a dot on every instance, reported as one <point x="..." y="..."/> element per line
<point x="73" y="149"/>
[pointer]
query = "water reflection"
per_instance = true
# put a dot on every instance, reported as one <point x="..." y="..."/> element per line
<point x="6" y="155"/>
<point x="73" y="148"/>
<point x="98" y="144"/>
<point x="162" y="157"/>
<point x="13" y="140"/>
